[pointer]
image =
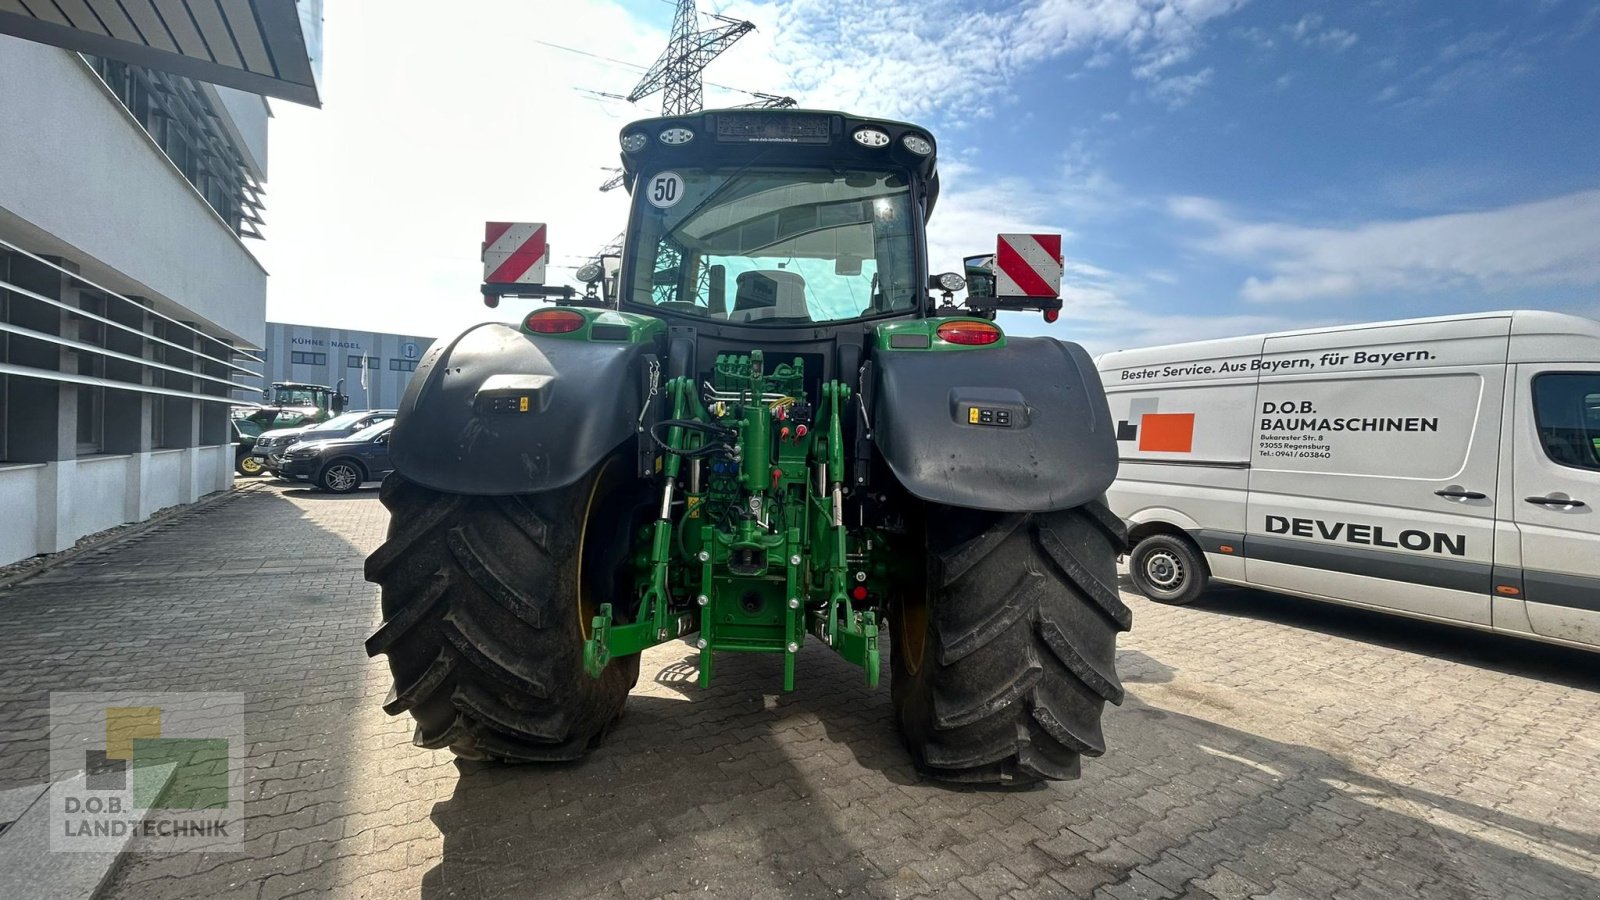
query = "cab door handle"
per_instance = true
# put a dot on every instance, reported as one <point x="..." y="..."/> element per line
<point x="1555" y="501"/>
<point x="1463" y="495"/>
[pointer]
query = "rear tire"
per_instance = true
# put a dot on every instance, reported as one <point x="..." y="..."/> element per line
<point x="1167" y="569"/>
<point x="1005" y="657"/>
<point x="248" y="466"/>
<point x="484" y="621"/>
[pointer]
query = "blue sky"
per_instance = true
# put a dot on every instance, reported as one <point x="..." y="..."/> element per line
<point x="1218" y="167"/>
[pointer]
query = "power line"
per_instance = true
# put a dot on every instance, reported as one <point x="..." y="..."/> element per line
<point x="636" y="66"/>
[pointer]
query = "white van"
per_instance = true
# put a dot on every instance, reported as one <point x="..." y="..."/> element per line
<point x="1446" y="468"/>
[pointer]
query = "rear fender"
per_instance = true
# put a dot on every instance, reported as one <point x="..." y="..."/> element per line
<point x="1056" y="451"/>
<point x="498" y="411"/>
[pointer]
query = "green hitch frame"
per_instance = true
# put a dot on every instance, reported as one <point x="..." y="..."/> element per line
<point x="809" y="584"/>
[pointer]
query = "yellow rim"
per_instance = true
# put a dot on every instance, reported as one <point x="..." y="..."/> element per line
<point x="913" y="612"/>
<point x="587" y="609"/>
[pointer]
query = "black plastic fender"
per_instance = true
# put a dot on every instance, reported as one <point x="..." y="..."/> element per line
<point x="1044" y="440"/>
<point x="498" y="411"/>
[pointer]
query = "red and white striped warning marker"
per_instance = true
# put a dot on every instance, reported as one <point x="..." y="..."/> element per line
<point x="514" y="253"/>
<point x="1028" y="265"/>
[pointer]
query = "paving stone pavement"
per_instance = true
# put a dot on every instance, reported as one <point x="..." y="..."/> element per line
<point x="1269" y="747"/>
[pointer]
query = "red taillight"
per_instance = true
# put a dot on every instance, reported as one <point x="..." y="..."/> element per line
<point x="1050" y="315"/>
<point x="553" y="321"/>
<point x="859" y="592"/>
<point x="972" y="334"/>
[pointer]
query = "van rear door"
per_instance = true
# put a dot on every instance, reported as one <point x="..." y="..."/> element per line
<point x="1374" y="466"/>
<point x="1556" y="481"/>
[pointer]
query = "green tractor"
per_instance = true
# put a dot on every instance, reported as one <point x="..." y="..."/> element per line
<point x="763" y="424"/>
<point x="290" y="404"/>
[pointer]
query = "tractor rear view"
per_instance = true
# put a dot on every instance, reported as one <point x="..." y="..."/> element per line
<point x="764" y="424"/>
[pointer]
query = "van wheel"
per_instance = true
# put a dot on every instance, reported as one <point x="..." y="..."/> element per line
<point x="1168" y="569"/>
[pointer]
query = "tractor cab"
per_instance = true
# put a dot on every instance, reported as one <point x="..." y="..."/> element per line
<point x="771" y="221"/>
<point x="785" y="219"/>
<point x="288" y="404"/>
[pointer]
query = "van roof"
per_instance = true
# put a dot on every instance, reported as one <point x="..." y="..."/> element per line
<point x="1523" y="322"/>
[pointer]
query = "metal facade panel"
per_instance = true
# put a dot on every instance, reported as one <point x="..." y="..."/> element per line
<point x="116" y="21"/>
<point x="150" y="25"/>
<point x="266" y="47"/>
<point x="46" y="11"/>
<point x="175" y="13"/>
<point x="241" y="18"/>
<point x="215" y="30"/>
<point x="81" y="15"/>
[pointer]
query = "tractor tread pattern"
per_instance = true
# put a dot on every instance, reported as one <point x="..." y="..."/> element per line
<point x="1013" y="604"/>
<point x="480" y="624"/>
<point x="956" y="562"/>
<point x="498" y="586"/>
<point x="413" y="612"/>
<point x="401" y="540"/>
<point x="1018" y="668"/>
<point x="422" y="688"/>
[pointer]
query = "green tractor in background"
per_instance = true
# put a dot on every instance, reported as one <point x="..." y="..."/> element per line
<point x="290" y="404"/>
<point x="765" y="423"/>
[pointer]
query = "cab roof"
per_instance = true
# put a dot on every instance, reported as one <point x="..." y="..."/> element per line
<point x="786" y="137"/>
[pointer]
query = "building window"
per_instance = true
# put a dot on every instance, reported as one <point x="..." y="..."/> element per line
<point x="402" y="365"/>
<point x="180" y="118"/>
<point x="304" y="358"/>
<point x="354" y="361"/>
<point x="91" y="419"/>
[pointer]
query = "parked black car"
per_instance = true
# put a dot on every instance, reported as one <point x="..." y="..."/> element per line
<point x="344" y="464"/>
<point x="270" y="446"/>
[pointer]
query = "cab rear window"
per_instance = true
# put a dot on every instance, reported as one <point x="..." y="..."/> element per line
<point x="1566" y="407"/>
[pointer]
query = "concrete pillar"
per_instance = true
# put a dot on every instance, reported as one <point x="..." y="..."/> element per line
<point x="41" y="416"/>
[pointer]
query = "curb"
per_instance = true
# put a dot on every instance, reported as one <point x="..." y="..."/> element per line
<point x="39" y="871"/>
<point x="113" y="536"/>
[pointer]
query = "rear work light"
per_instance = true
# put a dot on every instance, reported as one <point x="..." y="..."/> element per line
<point x="553" y="321"/>
<point x="972" y="334"/>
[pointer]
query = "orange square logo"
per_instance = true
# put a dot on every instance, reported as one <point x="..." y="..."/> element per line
<point x="1167" y="432"/>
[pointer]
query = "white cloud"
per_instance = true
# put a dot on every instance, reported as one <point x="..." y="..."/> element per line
<point x="954" y="58"/>
<point x="1102" y="309"/>
<point x="1544" y="243"/>
<point x="1309" y="30"/>
<point x="1180" y="89"/>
